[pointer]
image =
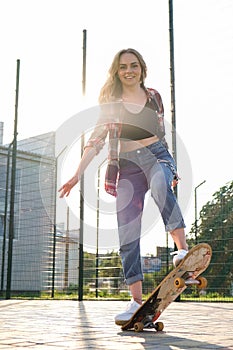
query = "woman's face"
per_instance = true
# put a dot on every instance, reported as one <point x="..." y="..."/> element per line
<point x="129" y="70"/>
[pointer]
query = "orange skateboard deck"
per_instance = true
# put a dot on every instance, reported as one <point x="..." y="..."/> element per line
<point x="186" y="273"/>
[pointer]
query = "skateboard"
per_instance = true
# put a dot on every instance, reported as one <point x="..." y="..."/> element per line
<point x="185" y="274"/>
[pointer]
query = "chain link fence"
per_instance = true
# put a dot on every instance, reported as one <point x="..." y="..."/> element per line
<point x="45" y="257"/>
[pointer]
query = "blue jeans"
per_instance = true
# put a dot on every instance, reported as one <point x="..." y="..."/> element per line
<point x="153" y="168"/>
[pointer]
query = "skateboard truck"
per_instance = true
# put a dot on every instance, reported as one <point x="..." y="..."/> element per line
<point x="139" y="326"/>
<point x="201" y="282"/>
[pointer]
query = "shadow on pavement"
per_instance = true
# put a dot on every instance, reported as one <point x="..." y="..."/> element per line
<point x="164" y="341"/>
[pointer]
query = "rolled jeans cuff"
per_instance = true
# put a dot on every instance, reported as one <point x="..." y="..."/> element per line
<point x="172" y="227"/>
<point x="133" y="279"/>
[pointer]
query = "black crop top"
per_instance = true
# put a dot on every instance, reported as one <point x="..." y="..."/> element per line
<point x="139" y="126"/>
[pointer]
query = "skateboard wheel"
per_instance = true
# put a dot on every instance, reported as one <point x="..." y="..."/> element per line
<point x="138" y="327"/>
<point x="179" y="282"/>
<point x="159" y="326"/>
<point x="202" y="282"/>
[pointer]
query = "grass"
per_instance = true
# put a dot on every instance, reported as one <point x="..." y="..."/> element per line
<point x="73" y="295"/>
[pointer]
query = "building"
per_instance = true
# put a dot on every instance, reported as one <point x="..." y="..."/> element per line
<point x="34" y="208"/>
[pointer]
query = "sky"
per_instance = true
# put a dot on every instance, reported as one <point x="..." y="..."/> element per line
<point x="47" y="37"/>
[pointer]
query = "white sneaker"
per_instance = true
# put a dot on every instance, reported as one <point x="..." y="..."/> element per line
<point x="124" y="317"/>
<point x="179" y="256"/>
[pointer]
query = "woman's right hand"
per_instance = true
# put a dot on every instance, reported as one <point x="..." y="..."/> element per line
<point x="88" y="154"/>
<point x="67" y="187"/>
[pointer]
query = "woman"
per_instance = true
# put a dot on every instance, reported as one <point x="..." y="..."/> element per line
<point x="133" y="115"/>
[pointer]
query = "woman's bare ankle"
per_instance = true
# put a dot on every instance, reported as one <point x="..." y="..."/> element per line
<point x="139" y="301"/>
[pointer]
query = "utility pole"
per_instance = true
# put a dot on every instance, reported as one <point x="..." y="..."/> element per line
<point x="12" y="194"/>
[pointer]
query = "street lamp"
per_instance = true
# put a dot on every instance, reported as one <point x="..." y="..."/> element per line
<point x="195" y="197"/>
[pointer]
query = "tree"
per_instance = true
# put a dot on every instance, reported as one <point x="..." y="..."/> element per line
<point x="216" y="228"/>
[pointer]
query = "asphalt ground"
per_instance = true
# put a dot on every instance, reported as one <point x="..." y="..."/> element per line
<point x="70" y="324"/>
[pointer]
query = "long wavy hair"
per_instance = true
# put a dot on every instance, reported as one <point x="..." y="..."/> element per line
<point x="112" y="89"/>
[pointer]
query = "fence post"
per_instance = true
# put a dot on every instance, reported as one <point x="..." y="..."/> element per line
<point x="12" y="197"/>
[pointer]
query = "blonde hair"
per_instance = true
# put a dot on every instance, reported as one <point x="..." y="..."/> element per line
<point x="112" y="89"/>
